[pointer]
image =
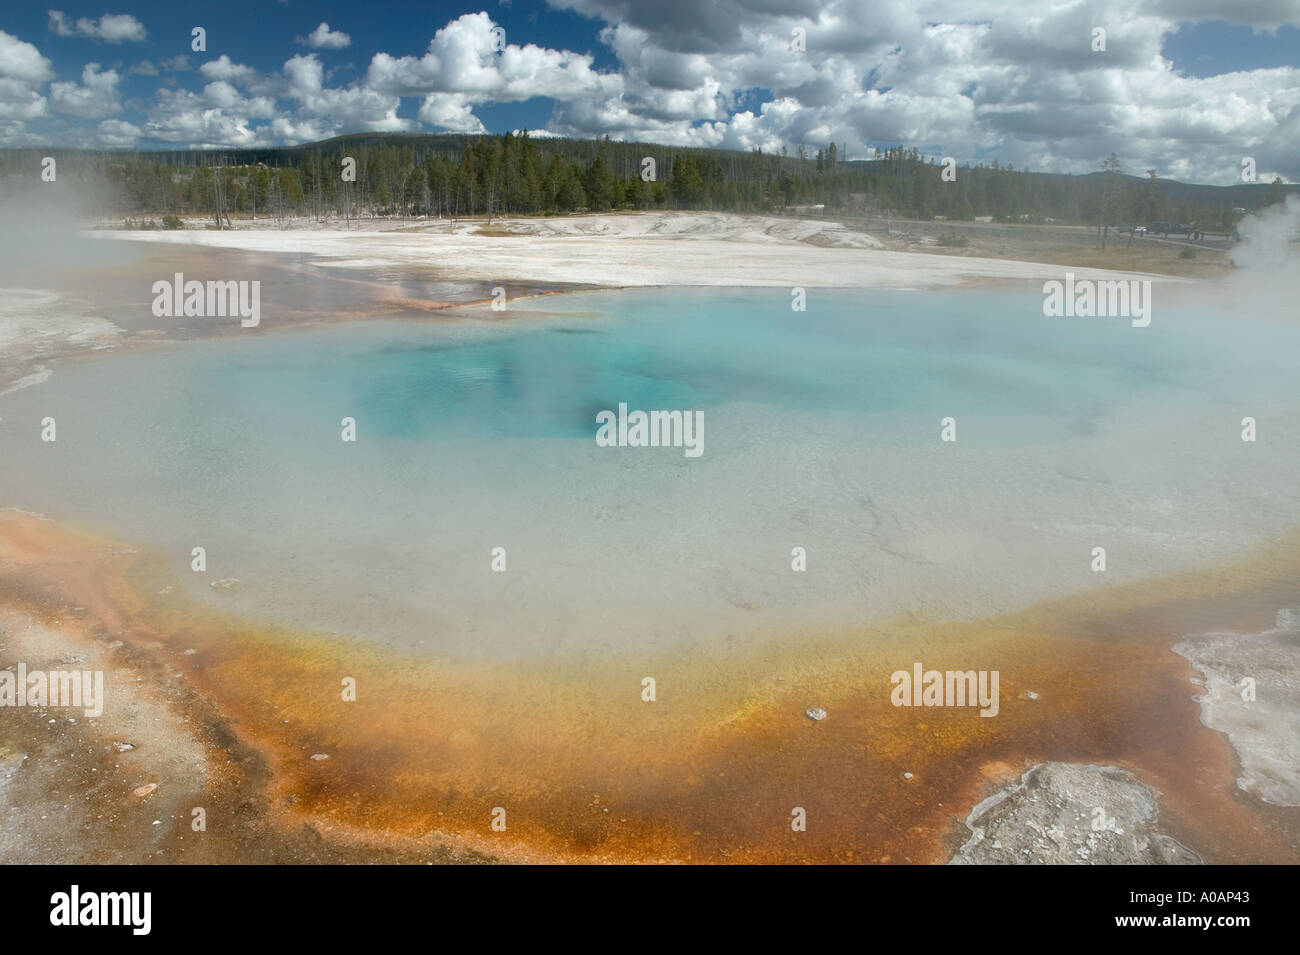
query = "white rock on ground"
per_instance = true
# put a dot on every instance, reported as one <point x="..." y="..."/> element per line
<point x="1067" y="814"/>
<point x="1264" y="731"/>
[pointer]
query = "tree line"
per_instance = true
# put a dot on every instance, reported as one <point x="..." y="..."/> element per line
<point x="451" y="176"/>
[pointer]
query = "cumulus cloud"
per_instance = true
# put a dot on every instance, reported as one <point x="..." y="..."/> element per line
<point x="218" y="116"/>
<point x="20" y="60"/>
<point x="451" y="112"/>
<point x="94" y="98"/>
<point x="293" y="130"/>
<point x="354" y="107"/>
<point x="22" y="72"/>
<point x="322" y="38"/>
<point x="110" y="28"/>
<point x="462" y="58"/>
<point x="975" y="79"/>
<point x="243" y="107"/>
<point x="954" y="77"/>
<point x="223" y="69"/>
<point x="117" y="134"/>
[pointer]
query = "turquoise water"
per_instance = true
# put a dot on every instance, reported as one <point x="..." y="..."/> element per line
<point x="978" y="353"/>
<point x="821" y="431"/>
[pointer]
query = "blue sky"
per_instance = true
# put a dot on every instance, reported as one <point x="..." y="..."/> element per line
<point x="397" y="27"/>
<point x="1177" y="88"/>
<point x="1214" y="47"/>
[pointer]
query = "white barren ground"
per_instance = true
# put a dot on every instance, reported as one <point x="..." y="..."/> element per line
<point x="1263" y="729"/>
<point x="655" y="248"/>
<point x="37" y="324"/>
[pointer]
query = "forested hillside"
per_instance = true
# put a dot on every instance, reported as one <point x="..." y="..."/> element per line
<point x="450" y="176"/>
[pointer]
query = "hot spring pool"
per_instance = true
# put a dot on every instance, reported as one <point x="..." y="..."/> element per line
<point x="822" y="432"/>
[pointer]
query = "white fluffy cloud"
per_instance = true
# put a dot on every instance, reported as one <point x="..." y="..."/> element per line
<point x="223" y="69"/>
<point x="95" y="98"/>
<point x="22" y="61"/>
<point x="463" y="59"/>
<point x="323" y="38"/>
<point x="110" y="28"/>
<point x="967" y="78"/>
<point x="295" y="102"/>
<point x="974" y="79"/>
<point x="117" y="134"/>
<point x="451" y="112"/>
<point x="345" y="108"/>
<point x="22" y="73"/>
<point x="220" y="115"/>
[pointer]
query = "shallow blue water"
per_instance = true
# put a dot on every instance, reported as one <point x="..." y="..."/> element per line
<point x="936" y="352"/>
<point x="820" y="425"/>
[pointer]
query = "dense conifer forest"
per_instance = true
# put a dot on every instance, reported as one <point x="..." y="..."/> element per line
<point x="519" y="174"/>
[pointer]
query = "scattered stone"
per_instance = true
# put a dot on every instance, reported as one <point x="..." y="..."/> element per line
<point x="146" y="789"/>
<point x="319" y="756"/>
<point x="907" y="775"/>
<point x="191" y="652"/>
<point x="1031" y="694"/>
<point x="225" y="583"/>
<point x="68" y="661"/>
<point x="815" y="713"/>
<point x="115" y="644"/>
<point x="123" y="747"/>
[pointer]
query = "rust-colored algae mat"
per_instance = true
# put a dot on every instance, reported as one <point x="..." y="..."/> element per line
<point x="710" y="771"/>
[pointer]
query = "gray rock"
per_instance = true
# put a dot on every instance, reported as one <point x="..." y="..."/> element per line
<point x="1068" y="814"/>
